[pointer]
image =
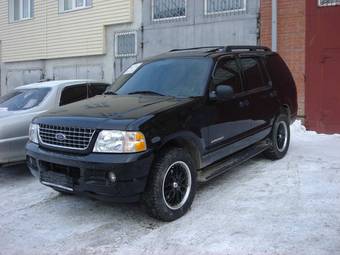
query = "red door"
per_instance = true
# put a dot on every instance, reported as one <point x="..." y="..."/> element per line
<point x="323" y="68"/>
<point x="330" y="96"/>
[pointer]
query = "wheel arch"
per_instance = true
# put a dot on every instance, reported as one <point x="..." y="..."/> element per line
<point x="286" y="109"/>
<point x="188" y="141"/>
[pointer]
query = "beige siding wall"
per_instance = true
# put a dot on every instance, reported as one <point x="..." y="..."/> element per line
<point x="51" y="34"/>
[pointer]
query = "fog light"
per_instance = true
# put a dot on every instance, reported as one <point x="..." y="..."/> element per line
<point x="112" y="177"/>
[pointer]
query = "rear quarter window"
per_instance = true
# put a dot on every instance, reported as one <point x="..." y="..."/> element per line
<point x="277" y="70"/>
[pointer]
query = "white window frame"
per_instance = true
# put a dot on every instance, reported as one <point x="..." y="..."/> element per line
<point x="21" y="18"/>
<point x="327" y="4"/>
<point x="74" y="7"/>
<point x="117" y="55"/>
<point x="223" y="12"/>
<point x="169" y="18"/>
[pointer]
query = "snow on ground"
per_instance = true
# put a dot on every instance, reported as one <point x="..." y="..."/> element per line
<point x="291" y="206"/>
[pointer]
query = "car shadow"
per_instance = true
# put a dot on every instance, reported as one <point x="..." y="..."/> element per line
<point x="17" y="172"/>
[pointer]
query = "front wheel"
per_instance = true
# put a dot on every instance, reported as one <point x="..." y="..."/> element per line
<point x="172" y="185"/>
<point x="280" y="138"/>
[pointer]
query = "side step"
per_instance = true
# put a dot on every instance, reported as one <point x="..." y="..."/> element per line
<point x="234" y="160"/>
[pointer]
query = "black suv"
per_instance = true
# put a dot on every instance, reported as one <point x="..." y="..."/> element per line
<point x="166" y="124"/>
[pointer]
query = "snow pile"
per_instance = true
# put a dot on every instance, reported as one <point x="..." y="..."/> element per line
<point x="299" y="129"/>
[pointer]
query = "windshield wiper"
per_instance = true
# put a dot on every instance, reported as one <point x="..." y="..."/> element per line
<point x="110" y="93"/>
<point x="146" y="92"/>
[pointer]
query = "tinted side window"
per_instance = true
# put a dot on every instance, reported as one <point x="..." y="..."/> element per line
<point x="96" y="89"/>
<point x="73" y="94"/>
<point x="253" y="76"/>
<point x="278" y="70"/>
<point x="227" y="73"/>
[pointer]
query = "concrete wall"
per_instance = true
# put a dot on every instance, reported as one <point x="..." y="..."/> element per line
<point x="198" y="29"/>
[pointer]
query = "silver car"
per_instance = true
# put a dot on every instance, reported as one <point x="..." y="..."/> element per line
<point x="19" y="107"/>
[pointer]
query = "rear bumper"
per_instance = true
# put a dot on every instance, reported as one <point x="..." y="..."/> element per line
<point x="89" y="173"/>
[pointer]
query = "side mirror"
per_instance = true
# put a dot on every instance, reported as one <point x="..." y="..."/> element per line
<point x="224" y="92"/>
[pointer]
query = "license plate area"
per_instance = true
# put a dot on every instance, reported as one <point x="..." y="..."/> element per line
<point x="56" y="180"/>
<point x="58" y="176"/>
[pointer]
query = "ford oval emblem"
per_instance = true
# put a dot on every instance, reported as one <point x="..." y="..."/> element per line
<point x="60" y="137"/>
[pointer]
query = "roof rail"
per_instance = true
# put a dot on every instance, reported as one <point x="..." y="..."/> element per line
<point x="225" y="48"/>
<point x="212" y="48"/>
<point x="243" y="47"/>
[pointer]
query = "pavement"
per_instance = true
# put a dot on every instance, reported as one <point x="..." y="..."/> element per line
<point x="291" y="206"/>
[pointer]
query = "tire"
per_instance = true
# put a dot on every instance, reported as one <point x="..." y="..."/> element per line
<point x="171" y="187"/>
<point x="280" y="138"/>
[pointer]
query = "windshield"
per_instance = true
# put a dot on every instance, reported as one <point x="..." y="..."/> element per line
<point x="23" y="99"/>
<point x="170" y="77"/>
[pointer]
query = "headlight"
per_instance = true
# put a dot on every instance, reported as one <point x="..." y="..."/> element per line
<point x="111" y="141"/>
<point x="33" y="133"/>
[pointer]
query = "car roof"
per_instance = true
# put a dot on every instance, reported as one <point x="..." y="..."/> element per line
<point x="58" y="83"/>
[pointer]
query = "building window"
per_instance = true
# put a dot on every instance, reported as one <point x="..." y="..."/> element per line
<point x="126" y="44"/>
<point x="328" y="2"/>
<point x="224" y="6"/>
<point x="165" y="9"/>
<point x="20" y="10"/>
<point x="72" y="5"/>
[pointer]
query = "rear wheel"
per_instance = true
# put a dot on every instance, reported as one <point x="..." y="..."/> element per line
<point x="280" y="138"/>
<point x="172" y="185"/>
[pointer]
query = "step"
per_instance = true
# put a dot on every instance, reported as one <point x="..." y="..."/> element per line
<point x="232" y="161"/>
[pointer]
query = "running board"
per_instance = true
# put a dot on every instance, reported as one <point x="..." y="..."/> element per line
<point x="234" y="160"/>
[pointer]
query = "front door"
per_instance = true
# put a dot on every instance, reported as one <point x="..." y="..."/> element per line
<point x="229" y="120"/>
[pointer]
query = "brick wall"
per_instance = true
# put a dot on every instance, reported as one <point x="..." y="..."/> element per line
<point x="291" y="39"/>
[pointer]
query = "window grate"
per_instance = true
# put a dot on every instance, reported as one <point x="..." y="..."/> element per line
<point x="323" y="3"/>
<point x="168" y="9"/>
<point x="126" y="44"/>
<point x="224" y="6"/>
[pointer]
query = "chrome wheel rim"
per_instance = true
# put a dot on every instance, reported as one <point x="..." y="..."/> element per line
<point x="176" y="185"/>
<point x="282" y="136"/>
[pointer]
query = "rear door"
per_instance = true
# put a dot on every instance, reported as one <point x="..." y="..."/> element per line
<point x="259" y="93"/>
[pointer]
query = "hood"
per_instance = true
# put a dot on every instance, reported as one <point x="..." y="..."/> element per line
<point x="112" y="110"/>
<point x="118" y="107"/>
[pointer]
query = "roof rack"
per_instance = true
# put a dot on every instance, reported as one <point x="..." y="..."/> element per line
<point x="212" y="48"/>
<point x="225" y="48"/>
<point x="249" y="48"/>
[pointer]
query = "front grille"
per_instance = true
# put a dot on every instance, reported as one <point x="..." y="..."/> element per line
<point x="65" y="137"/>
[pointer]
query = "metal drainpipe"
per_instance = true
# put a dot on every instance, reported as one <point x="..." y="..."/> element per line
<point x="274" y="25"/>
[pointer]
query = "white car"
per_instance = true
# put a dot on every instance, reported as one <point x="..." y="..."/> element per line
<point x="20" y="106"/>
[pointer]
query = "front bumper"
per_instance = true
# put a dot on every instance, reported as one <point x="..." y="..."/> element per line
<point x="89" y="173"/>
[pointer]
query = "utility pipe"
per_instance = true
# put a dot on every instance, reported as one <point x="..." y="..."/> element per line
<point x="274" y="25"/>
